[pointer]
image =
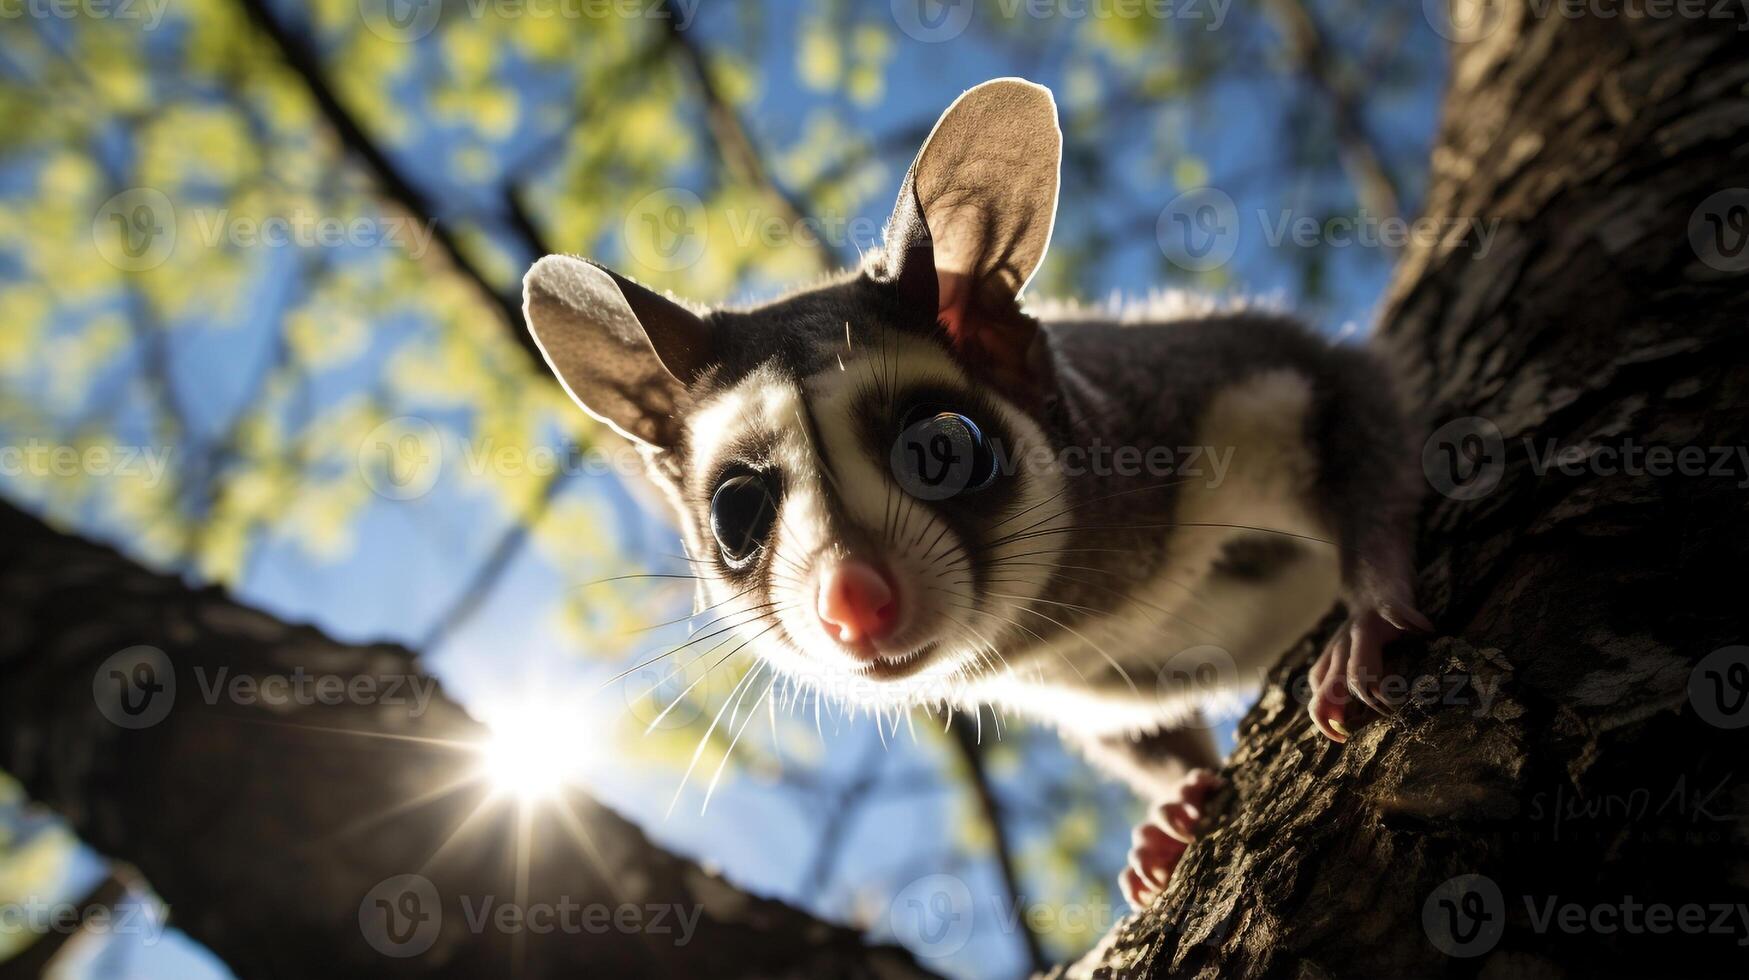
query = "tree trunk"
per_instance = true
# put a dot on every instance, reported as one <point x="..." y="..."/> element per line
<point x="280" y="836"/>
<point x="1569" y="760"/>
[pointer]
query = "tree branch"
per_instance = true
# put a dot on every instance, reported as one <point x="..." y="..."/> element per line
<point x="1558" y="740"/>
<point x="735" y="148"/>
<point x="1361" y="156"/>
<point x="972" y="752"/>
<point x="268" y="823"/>
<point x="303" y="60"/>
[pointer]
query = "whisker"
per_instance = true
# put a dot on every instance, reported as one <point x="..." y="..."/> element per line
<point x="698" y="752"/>
<point x="639" y="575"/>
<point x="691" y="615"/>
<point x="735" y="740"/>
<point x="1145" y="604"/>
<point x="703" y="636"/>
<point x="1096" y="647"/>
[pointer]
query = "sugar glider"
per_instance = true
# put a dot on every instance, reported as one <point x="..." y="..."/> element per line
<point x="916" y="489"/>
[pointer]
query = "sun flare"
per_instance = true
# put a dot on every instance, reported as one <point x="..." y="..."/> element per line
<point x="533" y="754"/>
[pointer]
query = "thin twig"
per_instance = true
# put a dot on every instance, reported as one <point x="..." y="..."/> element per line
<point x="735" y="148"/>
<point x="966" y="739"/>
<point x="302" y="58"/>
<point x="1361" y="155"/>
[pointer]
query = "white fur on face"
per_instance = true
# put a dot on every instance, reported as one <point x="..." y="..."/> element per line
<point x="839" y="501"/>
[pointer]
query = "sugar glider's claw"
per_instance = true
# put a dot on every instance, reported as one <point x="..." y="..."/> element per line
<point x="1352" y="665"/>
<point x="1406" y="618"/>
<point x="1158" y="844"/>
<point x="1328" y="705"/>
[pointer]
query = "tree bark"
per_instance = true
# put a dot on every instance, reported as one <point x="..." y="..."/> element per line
<point x="1604" y="772"/>
<point x="269" y="830"/>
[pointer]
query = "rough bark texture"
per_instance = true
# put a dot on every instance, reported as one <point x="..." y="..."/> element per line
<point x="255" y="823"/>
<point x="1589" y="597"/>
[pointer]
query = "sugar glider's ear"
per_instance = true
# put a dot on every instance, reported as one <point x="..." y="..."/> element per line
<point x="974" y="217"/>
<point x="623" y="352"/>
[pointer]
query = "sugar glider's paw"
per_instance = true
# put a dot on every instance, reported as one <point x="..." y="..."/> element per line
<point x="1158" y="843"/>
<point x="1351" y="668"/>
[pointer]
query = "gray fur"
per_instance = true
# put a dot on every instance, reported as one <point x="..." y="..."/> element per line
<point x="1083" y="378"/>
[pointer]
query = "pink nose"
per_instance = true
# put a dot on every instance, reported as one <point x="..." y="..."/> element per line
<point x="857" y="603"/>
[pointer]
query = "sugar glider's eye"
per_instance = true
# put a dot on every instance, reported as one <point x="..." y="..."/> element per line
<point x="742" y="511"/>
<point x="941" y="453"/>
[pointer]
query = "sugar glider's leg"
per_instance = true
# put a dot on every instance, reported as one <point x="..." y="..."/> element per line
<point x="1351" y="666"/>
<point x="1174" y="770"/>
<point x="1159" y="842"/>
<point x="1369" y="486"/>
